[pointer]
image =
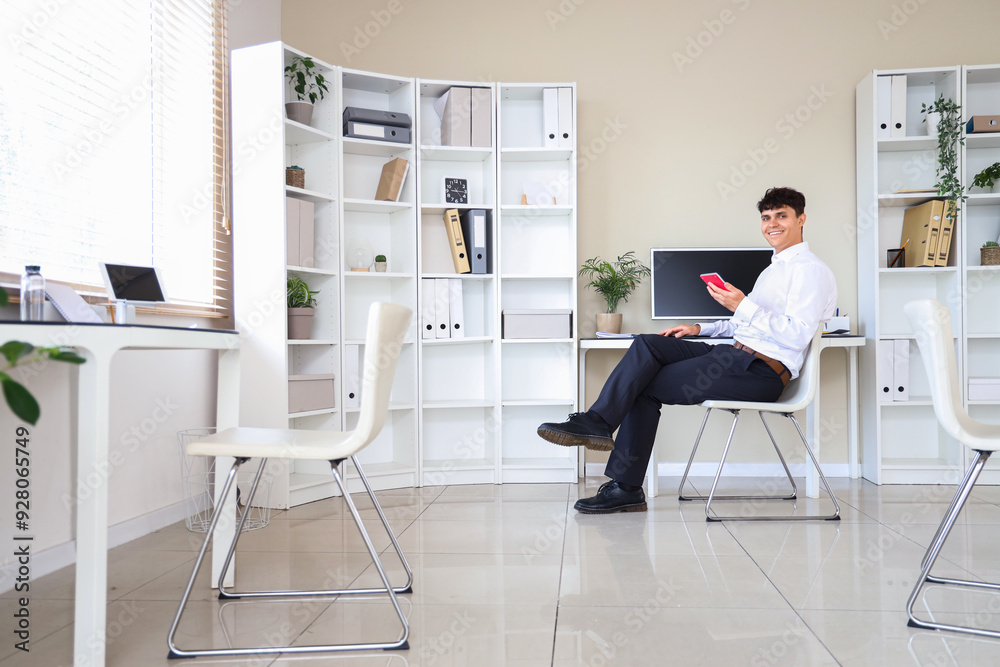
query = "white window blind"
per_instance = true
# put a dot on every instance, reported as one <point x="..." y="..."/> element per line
<point x="112" y="142"/>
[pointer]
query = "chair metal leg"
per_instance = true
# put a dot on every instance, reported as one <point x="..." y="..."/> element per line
<point x="402" y="643"/>
<point x="694" y="450"/>
<point x="934" y="550"/>
<point x="805" y="517"/>
<point x="954" y="501"/>
<point x="408" y="588"/>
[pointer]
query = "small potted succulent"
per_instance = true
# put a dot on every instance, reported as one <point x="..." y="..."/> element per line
<point x="615" y="281"/>
<point x="308" y="84"/>
<point x="989" y="254"/>
<point x="987" y="177"/>
<point x="301" y="308"/>
<point x="380" y="263"/>
<point x="295" y="176"/>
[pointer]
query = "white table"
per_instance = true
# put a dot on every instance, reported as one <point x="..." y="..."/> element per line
<point x="98" y="343"/>
<point x="813" y="421"/>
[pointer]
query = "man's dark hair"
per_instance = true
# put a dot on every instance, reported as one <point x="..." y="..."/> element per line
<point x="775" y="198"/>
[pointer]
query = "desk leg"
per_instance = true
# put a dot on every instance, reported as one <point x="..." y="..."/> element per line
<point x="852" y="413"/>
<point x="90" y="613"/>
<point x="581" y="406"/>
<point x="226" y="416"/>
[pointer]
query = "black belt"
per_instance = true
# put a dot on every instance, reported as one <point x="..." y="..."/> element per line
<point x="775" y="365"/>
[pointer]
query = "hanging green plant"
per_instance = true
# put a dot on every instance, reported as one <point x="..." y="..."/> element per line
<point x="950" y="137"/>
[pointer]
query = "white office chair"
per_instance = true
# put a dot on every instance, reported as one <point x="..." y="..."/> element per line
<point x="931" y="323"/>
<point x="798" y="394"/>
<point x="387" y="325"/>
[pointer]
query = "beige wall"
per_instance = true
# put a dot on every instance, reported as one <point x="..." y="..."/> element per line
<point x="674" y="99"/>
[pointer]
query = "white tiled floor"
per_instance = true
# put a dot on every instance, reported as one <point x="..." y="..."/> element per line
<point x="512" y="575"/>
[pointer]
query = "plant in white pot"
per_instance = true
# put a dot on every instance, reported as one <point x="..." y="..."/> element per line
<point x="308" y="84"/>
<point x="301" y="309"/>
<point x="615" y="281"/>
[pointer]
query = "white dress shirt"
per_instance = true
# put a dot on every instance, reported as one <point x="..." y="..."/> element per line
<point x="791" y="298"/>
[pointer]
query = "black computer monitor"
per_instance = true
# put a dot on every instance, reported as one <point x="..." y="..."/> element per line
<point x="679" y="293"/>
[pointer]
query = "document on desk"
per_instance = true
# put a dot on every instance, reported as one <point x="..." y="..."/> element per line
<point x="611" y="334"/>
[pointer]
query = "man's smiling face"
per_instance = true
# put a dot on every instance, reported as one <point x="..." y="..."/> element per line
<point x="781" y="227"/>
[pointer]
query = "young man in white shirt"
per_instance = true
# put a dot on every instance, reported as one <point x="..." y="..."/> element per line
<point x="772" y="328"/>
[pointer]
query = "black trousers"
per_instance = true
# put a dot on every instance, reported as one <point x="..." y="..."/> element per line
<point x="660" y="369"/>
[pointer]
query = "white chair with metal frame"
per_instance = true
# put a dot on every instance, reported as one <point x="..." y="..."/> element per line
<point x="387" y="326"/>
<point x="931" y="322"/>
<point x="797" y="395"/>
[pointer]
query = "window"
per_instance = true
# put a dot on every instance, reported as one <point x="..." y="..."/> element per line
<point x="113" y="143"/>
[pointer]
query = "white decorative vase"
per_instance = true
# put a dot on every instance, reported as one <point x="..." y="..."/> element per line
<point x="932" y="120"/>
<point x="300" y="112"/>
<point x="300" y="322"/>
<point x="609" y="322"/>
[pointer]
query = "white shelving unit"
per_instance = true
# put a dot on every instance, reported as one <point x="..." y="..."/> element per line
<point x="463" y="410"/>
<point x="537" y="267"/>
<point x="460" y="412"/>
<point x="391" y="460"/>
<point x="266" y="142"/>
<point x="902" y="441"/>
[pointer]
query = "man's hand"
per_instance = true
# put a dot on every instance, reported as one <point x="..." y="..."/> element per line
<point x="730" y="297"/>
<point x="682" y="330"/>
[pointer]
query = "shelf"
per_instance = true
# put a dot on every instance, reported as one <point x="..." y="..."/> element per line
<point x="985" y="269"/>
<point x="375" y="275"/>
<point x="311" y="269"/>
<point x="451" y="465"/>
<point x="919" y="269"/>
<point x="457" y="341"/>
<point x="533" y="341"/>
<point x="372" y="206"/>
<point x="535" y="154"/>
<point x="392" y="406"/>
<point x="463" y="276"/>
<point x="439" y="209"/>
<point x="993" y="402"/>
<point x="297" y="341"/>
<point x="297" y="134"/>
<point x="894" y="144"/>
<point x="987" y="140"/>
<point x="309" y="195"/>
<point x="905" y="200"/>
<point x="361" y="341"/>
<point x="311" y="413"/>
<point x="541" y="402"/>
<point x="529" y="210"/>
<point x="983" y="199"/>
<point x="534" y="276"/>
<point x="455" y="153"/>
<point x="983" y="336"/>
<point x="375" y="148"/>
<point x="547" y="464"/>
<point x="460" y="404"/>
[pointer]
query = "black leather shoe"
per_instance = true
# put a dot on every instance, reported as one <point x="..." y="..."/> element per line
<point x="579" y="430"/>
<point x="610" y="498"/>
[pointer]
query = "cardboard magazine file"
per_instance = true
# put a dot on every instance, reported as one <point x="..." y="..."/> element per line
<point x="310" y="392"/>
<point x="390" y="183"/>
<point x="979" y="124"/>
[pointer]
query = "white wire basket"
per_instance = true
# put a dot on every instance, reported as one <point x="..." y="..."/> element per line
<point x="198" y="476"/>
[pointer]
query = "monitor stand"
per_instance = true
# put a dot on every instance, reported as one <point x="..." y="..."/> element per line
<point x="124" y="313"/>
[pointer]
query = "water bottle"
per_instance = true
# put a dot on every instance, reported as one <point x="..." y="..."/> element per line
<point x="32" y="294"/>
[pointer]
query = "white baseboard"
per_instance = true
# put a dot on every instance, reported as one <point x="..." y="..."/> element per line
<point x="708" y="468"/>
<point x="59" y="556"/>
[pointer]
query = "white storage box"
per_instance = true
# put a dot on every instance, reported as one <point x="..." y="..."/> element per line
<point x="557" y="323"/>
<point x="984" y="389"/>
<point x="310" y="392"/>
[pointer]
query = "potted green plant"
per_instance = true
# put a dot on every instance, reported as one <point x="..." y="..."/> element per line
<point x="301" y="308"/>
<point x="15" y="352"/>
<point x="949" y="136"/>
<point x="308" y="84"/>
<point x="380" y="263"/>
<point x="615" y="282"/>
<point x="295" y="176"/>
<point x="989" y="253"/>
<point x="987" y="177"/>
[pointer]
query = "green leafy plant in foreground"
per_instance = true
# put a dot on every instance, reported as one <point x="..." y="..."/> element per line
<point x="16" y="353"/>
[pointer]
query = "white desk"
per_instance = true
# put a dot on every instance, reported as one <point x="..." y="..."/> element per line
<point x="813" y="422"/>
<point x="98" y="344"/>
